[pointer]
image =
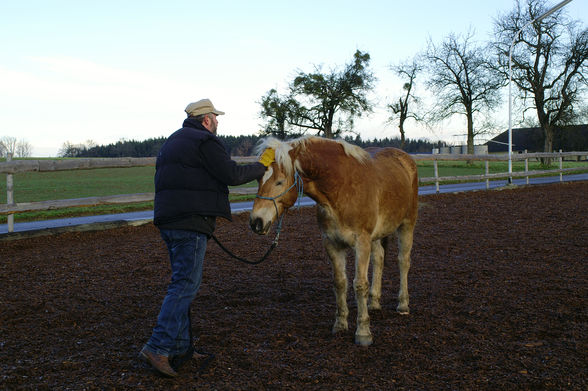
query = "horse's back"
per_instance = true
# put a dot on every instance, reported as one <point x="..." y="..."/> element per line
<point x="396" y="163"/>
<point x="399" y="178"/>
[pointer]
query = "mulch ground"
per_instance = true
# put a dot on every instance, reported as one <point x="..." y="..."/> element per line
<point x="499" y="301"/>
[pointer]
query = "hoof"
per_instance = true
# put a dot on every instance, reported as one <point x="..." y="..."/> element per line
<point x="363" y="340"/>
<point x="403" y="310"/>
<point x="339" y="327"/>
<point x="374" y="307"/>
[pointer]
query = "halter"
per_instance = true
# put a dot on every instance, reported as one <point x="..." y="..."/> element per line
<point x="300" y="189"/>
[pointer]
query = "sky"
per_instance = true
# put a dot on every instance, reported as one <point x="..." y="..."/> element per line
<point x="74" y="71"/>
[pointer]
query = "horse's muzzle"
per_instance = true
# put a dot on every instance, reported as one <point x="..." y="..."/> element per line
<point x="258" y="227"/>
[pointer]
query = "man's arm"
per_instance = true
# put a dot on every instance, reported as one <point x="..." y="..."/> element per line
<point x="221" y="166"/>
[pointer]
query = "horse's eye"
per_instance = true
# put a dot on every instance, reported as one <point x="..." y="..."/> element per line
<point x="279" y="183"/>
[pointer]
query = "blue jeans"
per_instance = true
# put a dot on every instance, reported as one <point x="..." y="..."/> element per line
<point x="171" y="335"/>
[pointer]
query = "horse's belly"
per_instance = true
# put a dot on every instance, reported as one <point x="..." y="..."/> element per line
<point x="387" y="223"/>
<point x="346" y="232"/>
<point x="333" y="229"/>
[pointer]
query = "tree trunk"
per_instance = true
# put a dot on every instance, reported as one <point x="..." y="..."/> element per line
<point x="548" y="144"/>
<point x="282" y="130"/>
<point x="328" y="132"/>
<point x="547" y="127"/>
<point x="548" y="132"/>
<point x="470" y="134"/>
<point x="401" y="127"/>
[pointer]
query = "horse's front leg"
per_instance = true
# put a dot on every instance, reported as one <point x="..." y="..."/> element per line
<point x="363" y="336"/>
<point x="337" y="256"/>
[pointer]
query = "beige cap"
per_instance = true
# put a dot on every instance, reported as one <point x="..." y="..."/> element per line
<point x="203" y="106"/>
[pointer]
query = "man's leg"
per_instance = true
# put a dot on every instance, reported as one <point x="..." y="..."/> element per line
<point x="171" y="335"/>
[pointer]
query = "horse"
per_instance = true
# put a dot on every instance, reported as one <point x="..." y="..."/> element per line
<point x="362" y="200"/>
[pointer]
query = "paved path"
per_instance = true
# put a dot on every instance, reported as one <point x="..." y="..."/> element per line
<point x="236" y="207"/>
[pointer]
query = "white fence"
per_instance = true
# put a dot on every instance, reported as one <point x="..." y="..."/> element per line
<point x="555" y="156"/>
<point x="12" y="167"/>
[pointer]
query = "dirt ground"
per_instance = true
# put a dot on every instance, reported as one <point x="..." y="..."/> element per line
<point x="499" y="301"/>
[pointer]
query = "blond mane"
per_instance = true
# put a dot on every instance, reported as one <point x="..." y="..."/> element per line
<point x="283" y="147"/>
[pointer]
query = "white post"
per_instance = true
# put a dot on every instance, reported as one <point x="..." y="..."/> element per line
<point x="9" y="195"/>
<point x="487" y="179"/>
<point x="527" y="166"/>
<point x="557" y="7"/>
<point x="436" y="175"/>
<point x="560" y="166"/>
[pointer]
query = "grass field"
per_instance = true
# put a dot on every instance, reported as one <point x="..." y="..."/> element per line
<point x="36" y="186"/>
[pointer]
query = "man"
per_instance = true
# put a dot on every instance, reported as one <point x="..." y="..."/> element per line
<point x="193" y="170"/>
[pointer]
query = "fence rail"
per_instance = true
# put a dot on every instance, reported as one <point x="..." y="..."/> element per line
<point x="20" y="166"/>
<point x="11" y="167"/>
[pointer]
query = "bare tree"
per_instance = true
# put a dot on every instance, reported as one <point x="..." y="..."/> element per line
<point x="24" y="148"/>
<point x="90" y="144"/>
<point x="69" y="149"/>
<point x="462" y="81"/>
<point x="8" y="145"/>
<point x="400" y="109"/>
<point x="549" y="60"/>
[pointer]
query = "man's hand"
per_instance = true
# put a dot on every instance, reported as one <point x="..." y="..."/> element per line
<point x="267" y="157"/>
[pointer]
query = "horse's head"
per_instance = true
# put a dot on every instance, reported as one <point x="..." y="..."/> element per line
<point x="277" y="189"/>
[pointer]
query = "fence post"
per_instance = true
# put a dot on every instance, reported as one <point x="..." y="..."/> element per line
<point x="526" y="167"/>
<point x="487" y="172"/>
<point x="436" y="175"/>
<point x="560" y="166"/>
<point x="9" y="195"/>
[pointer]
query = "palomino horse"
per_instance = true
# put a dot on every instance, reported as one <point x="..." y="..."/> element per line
<point x="361" y="201"/>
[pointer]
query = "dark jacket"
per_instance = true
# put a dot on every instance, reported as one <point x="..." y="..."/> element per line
<point x="193" y="171"/>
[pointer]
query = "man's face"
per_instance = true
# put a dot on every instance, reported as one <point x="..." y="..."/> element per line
<point x="210" y="122"/>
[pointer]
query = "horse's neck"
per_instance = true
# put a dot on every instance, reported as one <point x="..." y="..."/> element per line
<point x="311" y="169"/>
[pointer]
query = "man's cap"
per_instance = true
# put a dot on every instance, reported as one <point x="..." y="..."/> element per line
<point x="203" y="106"/>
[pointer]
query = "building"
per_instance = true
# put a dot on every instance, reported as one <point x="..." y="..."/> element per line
<point x="568" y="138"/>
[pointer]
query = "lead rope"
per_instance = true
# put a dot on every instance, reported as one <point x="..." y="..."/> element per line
<point x="300" y="190"/>
<point x="268" y="252"/>
<point x="177" y="362"/>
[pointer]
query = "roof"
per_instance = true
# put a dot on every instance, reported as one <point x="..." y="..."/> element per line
<point x="567" y="138"/>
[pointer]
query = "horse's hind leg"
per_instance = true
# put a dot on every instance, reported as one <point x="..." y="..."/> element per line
<point x="377" y="257"/>
<point x="363" y="336"/>
<point x="405" y="234"/>
<point x="337" y="256"/>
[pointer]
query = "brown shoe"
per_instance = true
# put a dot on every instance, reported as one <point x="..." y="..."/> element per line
<point x="158" y="362"/>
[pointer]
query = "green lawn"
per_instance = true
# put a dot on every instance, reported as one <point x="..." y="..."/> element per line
<point x="43" y="186"/>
